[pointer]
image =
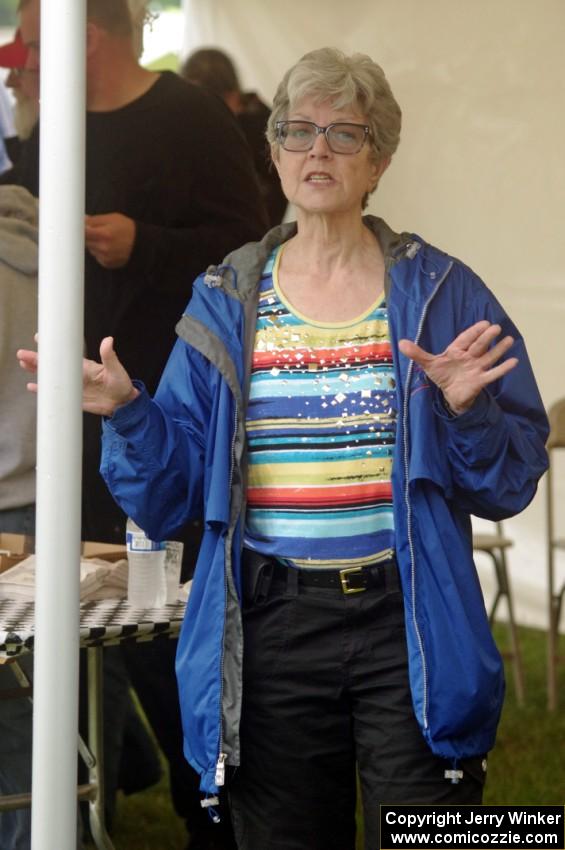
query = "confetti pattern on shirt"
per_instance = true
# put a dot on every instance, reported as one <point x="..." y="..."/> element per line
<point x="321" y="426"/>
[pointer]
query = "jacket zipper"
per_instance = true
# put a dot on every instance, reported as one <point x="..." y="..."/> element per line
<point x="220" y="776"/>
<point x="407" y="498"/>
<point x="220" y="770"/>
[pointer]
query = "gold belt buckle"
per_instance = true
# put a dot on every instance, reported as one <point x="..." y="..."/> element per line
<point x="343" y="574"/>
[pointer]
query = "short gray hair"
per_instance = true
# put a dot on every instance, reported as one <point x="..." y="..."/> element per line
<point x="329" y="74"/>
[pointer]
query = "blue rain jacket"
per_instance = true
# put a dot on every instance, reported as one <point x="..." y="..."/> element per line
<point x="182" y="455"/>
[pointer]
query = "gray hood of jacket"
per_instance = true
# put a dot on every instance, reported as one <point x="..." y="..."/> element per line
<point x="18" y="229"/>
<point x="18" y="324"/>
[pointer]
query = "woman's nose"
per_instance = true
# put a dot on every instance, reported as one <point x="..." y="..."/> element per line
<point x="320" y="146"/>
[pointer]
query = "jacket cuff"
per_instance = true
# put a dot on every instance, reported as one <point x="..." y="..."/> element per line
<point x="483" y="411"/>
<point x="131" y="414"/>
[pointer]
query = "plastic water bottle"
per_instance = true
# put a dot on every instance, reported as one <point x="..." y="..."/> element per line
<point x="147" y="585"/>
<point x="173" y="564"/>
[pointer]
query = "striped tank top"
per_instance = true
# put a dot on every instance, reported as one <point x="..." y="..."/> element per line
<point x="321" y="426"/>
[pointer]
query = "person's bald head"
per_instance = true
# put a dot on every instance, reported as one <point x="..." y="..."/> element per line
<point x="110" y="16"/>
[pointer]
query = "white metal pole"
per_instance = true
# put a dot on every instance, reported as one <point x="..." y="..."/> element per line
<point x="59" y="431"/>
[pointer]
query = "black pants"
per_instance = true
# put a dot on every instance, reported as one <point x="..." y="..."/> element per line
<point x="325" y="697"/>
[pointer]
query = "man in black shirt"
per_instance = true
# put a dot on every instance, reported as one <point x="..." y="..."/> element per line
<point x="170" y="188"/>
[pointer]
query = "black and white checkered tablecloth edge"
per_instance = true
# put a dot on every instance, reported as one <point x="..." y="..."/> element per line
<point x="106" y="621"/>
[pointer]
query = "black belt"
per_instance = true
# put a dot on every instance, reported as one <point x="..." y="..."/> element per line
<point x="383" y="574"/>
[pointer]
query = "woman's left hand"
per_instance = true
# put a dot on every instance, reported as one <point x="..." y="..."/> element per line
<point x="467" y="365"/>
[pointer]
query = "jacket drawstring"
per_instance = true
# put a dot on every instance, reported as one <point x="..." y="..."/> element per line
<point x="454" y="774"/>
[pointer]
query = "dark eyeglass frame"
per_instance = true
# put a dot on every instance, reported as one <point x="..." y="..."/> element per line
<point x="319" y="131"/>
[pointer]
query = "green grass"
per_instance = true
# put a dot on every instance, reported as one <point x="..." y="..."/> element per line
<point x="526" y="766"/>
<point x="147" y="821"/>
<point x="167" y="62"/>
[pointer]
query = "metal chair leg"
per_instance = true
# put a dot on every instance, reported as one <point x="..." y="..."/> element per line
<point x="503" y="590"/>
<point x="517" y="665"/>
<point x="553" y="657"/>
<point x="96" y="742"/>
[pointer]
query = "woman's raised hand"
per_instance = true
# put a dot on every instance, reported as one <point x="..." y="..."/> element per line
<point x="467" y="365"/>
<point x="106" y="385"/>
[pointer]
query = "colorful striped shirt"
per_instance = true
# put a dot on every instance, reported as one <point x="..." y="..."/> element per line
<point x="321" y="426"/>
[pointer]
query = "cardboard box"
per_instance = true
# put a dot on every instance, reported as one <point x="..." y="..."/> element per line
<point x="107" y="551"/>
<point x="13" y="549"/>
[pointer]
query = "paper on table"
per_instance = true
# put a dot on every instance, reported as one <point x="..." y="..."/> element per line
<point x="98" y="580"/>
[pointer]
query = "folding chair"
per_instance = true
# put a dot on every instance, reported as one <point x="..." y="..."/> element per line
<point x="555" y="594"/>
<point x="495" y="545"/>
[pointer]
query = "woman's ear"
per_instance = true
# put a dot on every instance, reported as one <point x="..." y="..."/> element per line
<point x="383" y="165"/>
<point x="275" y="155"/>
<point x="379" y="169"/>
<point x="92" y="38"/>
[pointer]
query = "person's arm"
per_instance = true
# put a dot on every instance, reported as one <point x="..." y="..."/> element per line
<point x="497" y="448"/>
<point x="153" y="450"/>
<point x="211" y="189"/>
<point x="494" y="420"/>
<point x="106" y="385"/>
<point x="110" y="239"/>
<point x="472" y="362"/>
<point x="152" y="454"/>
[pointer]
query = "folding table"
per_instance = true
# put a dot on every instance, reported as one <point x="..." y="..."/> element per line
<point x="102" y="623"/>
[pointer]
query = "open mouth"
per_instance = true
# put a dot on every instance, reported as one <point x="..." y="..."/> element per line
<point x="319" y="178"/>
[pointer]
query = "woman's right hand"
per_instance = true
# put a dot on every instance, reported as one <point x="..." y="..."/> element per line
<point x="106" y="385"/>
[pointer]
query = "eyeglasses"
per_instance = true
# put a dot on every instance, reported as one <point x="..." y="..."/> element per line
<point x="341" y="137"/>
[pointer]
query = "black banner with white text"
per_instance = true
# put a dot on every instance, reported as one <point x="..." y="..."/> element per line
<point x="466" y="827"/>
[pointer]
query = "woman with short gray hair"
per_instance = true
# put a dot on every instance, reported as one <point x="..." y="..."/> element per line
<point x="340" y="399"/>
<point x="328" y="74"/>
